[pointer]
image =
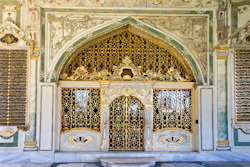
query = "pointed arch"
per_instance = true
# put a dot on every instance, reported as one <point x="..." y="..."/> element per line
<point x="184" y="56"/>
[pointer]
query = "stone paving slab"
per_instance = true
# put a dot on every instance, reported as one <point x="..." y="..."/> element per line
<point x="161" y="164"/>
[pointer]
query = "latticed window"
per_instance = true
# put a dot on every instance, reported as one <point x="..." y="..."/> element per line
<point x="80" y="109"/>
<point x="172" y="108"/>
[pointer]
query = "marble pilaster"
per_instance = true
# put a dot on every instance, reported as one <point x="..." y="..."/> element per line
<point x="223" y="142"/>
<point x="104" y="115"/>
<point x="30" y="135"/>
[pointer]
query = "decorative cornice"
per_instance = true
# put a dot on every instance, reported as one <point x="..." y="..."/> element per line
<point x="127" y="3"/>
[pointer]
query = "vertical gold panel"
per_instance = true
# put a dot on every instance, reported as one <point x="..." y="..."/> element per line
<point x="126" y="124"/>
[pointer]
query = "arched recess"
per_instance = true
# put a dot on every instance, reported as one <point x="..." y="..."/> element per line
<point x="182" y="54"/>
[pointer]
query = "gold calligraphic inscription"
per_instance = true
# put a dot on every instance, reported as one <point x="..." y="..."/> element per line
<point x="13" y="88"/>
<point x="242" y="85"/>
<point x="80" y="108"/>
<point x="101" y="59"/>
<point x="126" y="124"/>
<point x="172" y="109"/>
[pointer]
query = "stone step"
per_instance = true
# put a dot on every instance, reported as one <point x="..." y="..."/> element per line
<point x="128" y="162"/>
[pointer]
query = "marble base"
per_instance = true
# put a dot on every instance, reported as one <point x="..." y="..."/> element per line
<point x="223" y="148"/>
<point x="128" y="162"/>
<point x="67" y="157"/>
<point x="30" y="148"/>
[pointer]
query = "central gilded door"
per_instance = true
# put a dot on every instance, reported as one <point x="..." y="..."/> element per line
<point x="126" y="124"/>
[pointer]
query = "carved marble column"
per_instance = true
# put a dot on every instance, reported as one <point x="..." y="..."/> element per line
<point x="30" y="135"/>
<point x="222" y="123"/>
<point x="104" y="116"/>
<point x="149" y="117"/>
<point x="148" y="122"/>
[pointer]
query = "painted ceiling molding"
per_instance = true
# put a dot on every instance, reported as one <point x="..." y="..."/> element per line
<point x="126" y="3"/>
<point x="191" y="31"/>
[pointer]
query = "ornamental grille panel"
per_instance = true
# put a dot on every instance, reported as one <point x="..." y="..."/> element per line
<point x="13" y="88"/>
<point x="126" y="124"/>
<point x="110" y="52"/>
<point x="80" y="108"/>
<point x="172" y="108"/>
<point x="242" y="85"/>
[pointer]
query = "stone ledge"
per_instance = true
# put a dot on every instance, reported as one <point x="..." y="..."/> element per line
<point x="131" y="162"/>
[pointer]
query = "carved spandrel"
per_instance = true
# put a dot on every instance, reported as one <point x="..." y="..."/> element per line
<point x="190" y="30"/>
<point x="65" y="27"/>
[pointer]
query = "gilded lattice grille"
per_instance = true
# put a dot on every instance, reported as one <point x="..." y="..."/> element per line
<point x="80" y="109"/>
<point x="110" y="52"/>
<point x="126" y="123"/>
<point x="242" y="85"/>
<point x="172" y="108"/>
<point x="13" y="88"/>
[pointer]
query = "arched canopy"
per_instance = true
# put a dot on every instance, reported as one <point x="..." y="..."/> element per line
<point x="185" y="61"/>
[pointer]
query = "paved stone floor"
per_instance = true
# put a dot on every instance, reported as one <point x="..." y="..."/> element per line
<point x="162" y="164"/>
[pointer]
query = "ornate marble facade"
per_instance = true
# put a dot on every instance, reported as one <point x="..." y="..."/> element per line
<point x="200" y="37"/>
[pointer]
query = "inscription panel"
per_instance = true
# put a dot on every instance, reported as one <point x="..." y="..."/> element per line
<point x="242" y="85"/>
<point x="13" y="88"/>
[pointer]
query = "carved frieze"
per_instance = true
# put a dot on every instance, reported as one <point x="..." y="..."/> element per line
<point x="127" y="71"/>
<point x="80" y="139"/>
<point x="172" y="139"/>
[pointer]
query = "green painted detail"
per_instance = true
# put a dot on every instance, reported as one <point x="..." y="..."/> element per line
<point x="211" y="60"/>
<point x="211" y="63"/>
<point x="14" y="144"/>
<point x="77" y="43"/>
<point x="236" y="140"/>
<point x="125" y="11"/>
<point x="222" y="126"/>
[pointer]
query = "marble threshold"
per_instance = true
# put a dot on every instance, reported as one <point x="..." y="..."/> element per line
<point x="67" y="157"/>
